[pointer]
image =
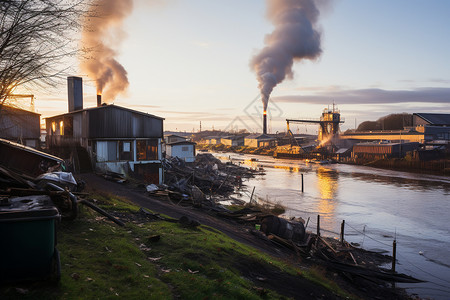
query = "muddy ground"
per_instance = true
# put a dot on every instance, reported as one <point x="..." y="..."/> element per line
<point x="290" y="286"/>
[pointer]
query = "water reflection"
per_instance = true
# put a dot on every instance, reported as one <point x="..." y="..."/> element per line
<point x="416" y="206"/>
<point x="393" y="178"/>
<point x="327" y="181"/>
<point x="291" y="169"/>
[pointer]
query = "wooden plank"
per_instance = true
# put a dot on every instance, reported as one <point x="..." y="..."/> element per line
<point x="327" y="244"/>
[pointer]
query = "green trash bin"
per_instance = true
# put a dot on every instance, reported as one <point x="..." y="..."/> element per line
<point x="28" y="239"/>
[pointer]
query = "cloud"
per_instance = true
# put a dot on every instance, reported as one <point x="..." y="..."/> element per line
<point x="192" y="116"/>
<point x="201" y="44"/>
<point x="139" y="107"/>
<point x="371" y="96"/>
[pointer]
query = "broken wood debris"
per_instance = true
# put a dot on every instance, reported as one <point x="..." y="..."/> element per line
<point x="101" y="211"/>
<point x="207" y="174"/>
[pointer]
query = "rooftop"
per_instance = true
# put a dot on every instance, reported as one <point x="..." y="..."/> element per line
<point x="435" y="119"/>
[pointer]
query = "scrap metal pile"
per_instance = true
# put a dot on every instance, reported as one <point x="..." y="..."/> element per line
<point x="26" y="172"/>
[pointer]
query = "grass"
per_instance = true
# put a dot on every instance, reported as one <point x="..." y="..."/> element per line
<point x="101" y="260"/>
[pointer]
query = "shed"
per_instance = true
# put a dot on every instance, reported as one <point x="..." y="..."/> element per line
<point x="184" y="150"/>
<point x="259" y="140"/>
<point x="20" y="126"/>
<point x="116" y="138"/>
<point x="173" y="138"/>
<point x="233" y="140"/>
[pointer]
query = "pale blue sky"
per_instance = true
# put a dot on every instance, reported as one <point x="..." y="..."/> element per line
<point x="188" y="61"/>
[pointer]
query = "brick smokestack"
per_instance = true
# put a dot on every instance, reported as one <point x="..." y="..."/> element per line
<point x="265" y="122"/>
<point x="99" y="100"/>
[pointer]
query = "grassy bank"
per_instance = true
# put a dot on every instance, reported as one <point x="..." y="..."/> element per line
<point x="158" y="259"/>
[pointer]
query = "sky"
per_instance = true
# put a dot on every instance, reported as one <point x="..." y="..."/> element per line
<point x="188" y="62"/>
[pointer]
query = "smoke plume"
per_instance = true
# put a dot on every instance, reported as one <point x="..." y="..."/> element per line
<point x="101" y="35"/>
<point x="295" y="37"/>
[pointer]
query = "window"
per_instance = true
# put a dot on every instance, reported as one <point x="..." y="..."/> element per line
<point x="61" y="127"/>
<point x="125" y="152"/>
<point x="112" y="151"/>
<point x="107" y="151"/>
<point x="147" y="149"/>
<point x="185" y="148"/>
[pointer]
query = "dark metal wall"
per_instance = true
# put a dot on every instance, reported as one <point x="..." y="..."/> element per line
<point x="113" y="122"/>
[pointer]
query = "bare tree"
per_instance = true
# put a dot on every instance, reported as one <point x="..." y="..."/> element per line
<point x="34" y="38"/>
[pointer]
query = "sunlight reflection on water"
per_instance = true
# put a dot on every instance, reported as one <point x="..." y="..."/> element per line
<point x="377" y="205"/>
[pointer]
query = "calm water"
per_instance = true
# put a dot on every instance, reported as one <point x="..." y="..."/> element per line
<point x="377" y="206"/>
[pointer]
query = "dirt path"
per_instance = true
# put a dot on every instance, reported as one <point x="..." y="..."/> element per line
<point x="292" y="286"/>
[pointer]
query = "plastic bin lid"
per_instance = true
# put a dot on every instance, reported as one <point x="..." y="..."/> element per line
<point x="39" y="206"/>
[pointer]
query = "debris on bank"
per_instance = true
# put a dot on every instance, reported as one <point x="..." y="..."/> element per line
<point x="198" y="182"/>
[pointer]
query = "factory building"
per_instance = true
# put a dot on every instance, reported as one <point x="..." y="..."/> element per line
<point x="426" y="129"/>
<point x="383" y="150"/>
<point x="116" y="139"/>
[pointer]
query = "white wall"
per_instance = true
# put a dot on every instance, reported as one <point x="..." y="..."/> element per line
<point x="185" y="152"/>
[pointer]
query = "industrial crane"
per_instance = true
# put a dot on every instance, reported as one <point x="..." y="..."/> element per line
<point x="16" y="96"/>
<point x="328" y="123"/>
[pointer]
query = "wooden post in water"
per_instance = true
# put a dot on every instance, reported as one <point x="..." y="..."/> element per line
<point x="251" y="197"/>
<point x="394" y="255"/>
<point x="318" y="225"/>
<point x="302" y="182"/>
<point x="342" y="231"/>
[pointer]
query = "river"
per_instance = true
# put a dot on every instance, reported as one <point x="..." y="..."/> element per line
<point x="377" y="205"/>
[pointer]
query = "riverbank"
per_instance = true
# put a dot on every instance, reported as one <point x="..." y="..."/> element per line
<point x="377" y="205"/>
<point x="436" y="167"/>
<point x="156" y="256"/>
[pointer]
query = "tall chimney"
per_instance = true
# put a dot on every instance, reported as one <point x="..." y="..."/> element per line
<point x="99" y="100"/>
<point x="265" y="122"/>
<point x="75" y="93"/>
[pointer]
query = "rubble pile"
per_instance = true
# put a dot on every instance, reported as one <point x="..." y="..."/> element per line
<point x="206" y="176"/>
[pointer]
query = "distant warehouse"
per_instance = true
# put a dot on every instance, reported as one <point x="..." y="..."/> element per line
<point x="383" y="150"/>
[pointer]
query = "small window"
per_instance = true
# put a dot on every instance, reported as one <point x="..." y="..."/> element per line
<point x="61" y="127"/>
<point x="125" y="151"/>
<point x="126" y="146"/>
<point x="185" y="148"/>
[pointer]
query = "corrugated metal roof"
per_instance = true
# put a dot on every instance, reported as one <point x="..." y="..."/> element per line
<point x="435" y="119"/>
<point x="259" y="136"/>
<point x="31" y="150"/>
<point x="19" y="110"/>
<point x="108" y="106"/>
<point x="181" y="143"/>
<point x="111" y="121"/>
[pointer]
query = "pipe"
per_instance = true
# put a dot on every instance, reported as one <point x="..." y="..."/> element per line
<point x="99" y="100"/>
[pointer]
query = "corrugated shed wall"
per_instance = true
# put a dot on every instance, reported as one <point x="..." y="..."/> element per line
<point x="18" y="124"/>
<point x="112" y="122"/>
